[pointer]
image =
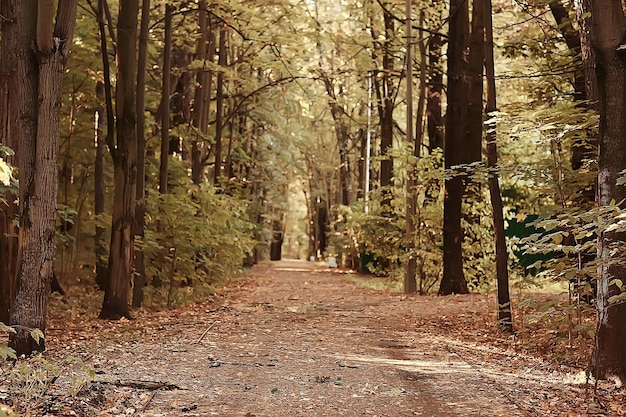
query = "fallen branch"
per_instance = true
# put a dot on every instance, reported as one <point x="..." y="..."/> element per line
<point x="147" y="385"/>
<point x="205" y="332"/>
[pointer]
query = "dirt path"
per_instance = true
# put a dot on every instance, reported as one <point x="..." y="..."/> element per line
<point x="295" y="341"/>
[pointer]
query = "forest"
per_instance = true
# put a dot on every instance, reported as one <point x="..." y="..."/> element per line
<point x="154" y="154"/>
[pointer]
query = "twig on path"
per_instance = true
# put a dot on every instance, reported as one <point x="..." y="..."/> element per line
<point x="148" y="401"/>
<point x="206" y="331"/>
<point x="147" y="385"/>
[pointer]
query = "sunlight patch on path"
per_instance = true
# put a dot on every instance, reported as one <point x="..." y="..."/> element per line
<point x="433" y="367"/>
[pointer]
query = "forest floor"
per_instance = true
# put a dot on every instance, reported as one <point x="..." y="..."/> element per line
<point x="292" y="339"/>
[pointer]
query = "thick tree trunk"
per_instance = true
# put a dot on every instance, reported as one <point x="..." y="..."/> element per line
<point x="609" y="25"/>
<point x="8" y="137"/>
<point x="115" y="303"/>
<point x="505" y="318"/>
<point x="140" y="278"/>
<point x="38" y="226"/>
<point x="453" y="280"/>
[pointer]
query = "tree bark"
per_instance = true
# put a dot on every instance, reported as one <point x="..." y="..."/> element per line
<point x="9" y="123"/>
<point x="121" y="254"/>
<point x="199" y="103"/>
<point x="386" y="115"/>
<point x="100" y="245"/>
<point x="165" y="100"/>
<point x="38" y="209"/>
<point x="475" y="84"/>
<point x="410" y="284"/>
<point x="435" y="91"/>
<point x="219" y="111"/>
<point x="140" y="278"/>
<point x="505" y="319"/>
<point x="453" y="280"/>
<point x="607" y="34"/>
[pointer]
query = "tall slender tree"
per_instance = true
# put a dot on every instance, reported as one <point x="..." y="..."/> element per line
<point x="220" y="98"/>
<point x="109" y="116"/>
<point x="410" y="284"/>
<point x="139" y="281"/>
<point x="200" y="103"/>
<point x="505" y="318"/>
<point x="165" y="100"/>
<point x="121" y="253"/>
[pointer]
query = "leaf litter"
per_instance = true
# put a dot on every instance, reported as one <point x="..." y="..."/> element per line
<point x="292" y="340"/>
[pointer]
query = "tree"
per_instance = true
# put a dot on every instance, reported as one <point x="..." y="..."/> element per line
<point x="200" y="106"/>
<point x="39" y="104"/>
<point x="165" y="100"/>
<point x="609" y="356"/>
<point x="502" y="272"/>
<point x="109" y="116"/>
<point x="220" y="98"/>
<point x="453" y="280"/>
<point x="10" y="42"/>
<point x="410" y="284"/>
<point x="140" y="216"/>
<point x="124" y="155"/>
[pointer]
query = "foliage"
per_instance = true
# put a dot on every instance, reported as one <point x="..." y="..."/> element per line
<point x="29" y="380"/>
<point x="195" y="235"/>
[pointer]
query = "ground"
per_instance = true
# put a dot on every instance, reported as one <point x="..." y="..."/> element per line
<point x="292" y="339"/>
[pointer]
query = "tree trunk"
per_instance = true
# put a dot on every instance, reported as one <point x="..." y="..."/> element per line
<point x="453" y="280"/>
<point x="140" y="278"/>
<point x="435" y="91"/>
<point x="410" y="284"/>
<point x="219" y="111"/>
<point x="100" y="245"/>
<point x="505" y="319"/>
<point x="276" y="245"/>
<point x="165" y="100"/>
<point x="386" y="115"/>
<point x="199" y="103"/>
<point x="475" y="86"/>
<point x="115" y="303"/>
<point x="38" y="209"/>
<point x="9" y="123"/>
<point x="99" y="195"/>
<point x="607" y="31"/>
<point x="584" y="148"/>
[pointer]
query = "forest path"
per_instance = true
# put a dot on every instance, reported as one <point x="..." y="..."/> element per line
<point x="294" y="340"/>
